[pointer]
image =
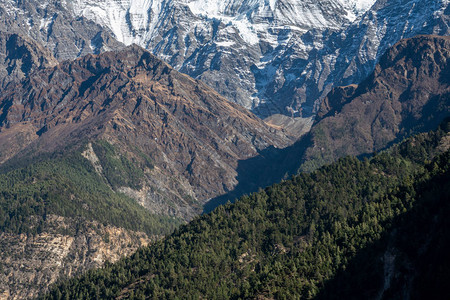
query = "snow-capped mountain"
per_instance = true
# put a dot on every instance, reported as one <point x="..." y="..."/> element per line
<point x="52" y="25"/>
<point x="346" y="56"/>
<point x="270" y="56"/>
<point x="221" y="42"/>
<point x="135" y="21"/>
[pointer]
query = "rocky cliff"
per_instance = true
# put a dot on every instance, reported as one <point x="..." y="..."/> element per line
<point x="20" y="56"/>
<point x="30" y="263"/>
<point x="53" y="26"/>
<point x="270" y="56"/>
<point x="236" y="47"/>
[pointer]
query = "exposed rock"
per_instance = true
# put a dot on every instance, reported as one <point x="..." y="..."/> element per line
<point x="90" y="155"/>
<point x="408" y="92"/>
<point x="272" y="57"/>
<point x="132" y="100"/>
<point x="19" y="56"/>
<point x="52" y="25"/>
<point x="226" y="44"/>
<point x="296" y="127"/>
<point x="30" y="264"/>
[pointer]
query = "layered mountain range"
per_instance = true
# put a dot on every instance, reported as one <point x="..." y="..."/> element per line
<point x="232" y="40"/>
<point x="408" y="92"/>
<point x="104" y="151"/>
<point x="271" y="57"/>
<point x="103" y="154"/>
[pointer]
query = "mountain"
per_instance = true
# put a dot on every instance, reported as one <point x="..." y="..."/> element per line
<point x="348" y="56"/>
<point x="355" y="229"/>
<point x="221" y="43"/>
<point x="107" y="153"/>
<point x="20" y="56"/>
<point x="408" y="92"/>
<point x="148" y="112"/>
<point x="53" y="26"/>
<point x="270" y="56"/>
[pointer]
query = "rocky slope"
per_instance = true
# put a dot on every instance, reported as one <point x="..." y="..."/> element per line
<point x="81" y="138"/>
<point x="408" y="92"/>
<point x="272" y="57"/>
<point x="53" y="26"/>
<point x="19" y="56"/>
<point x="191" y="137"/>
<point x="30" y="263"/>
<point x="225" y="43"/>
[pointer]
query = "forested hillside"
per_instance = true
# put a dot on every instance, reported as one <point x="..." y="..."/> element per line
<point x="61" y="215"/>
<point x="70" y="187"/>
<point x="354" y="229"/>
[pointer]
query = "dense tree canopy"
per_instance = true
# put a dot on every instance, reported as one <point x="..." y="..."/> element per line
<point x="329" y="232"/>
<point x="69" y="186"/>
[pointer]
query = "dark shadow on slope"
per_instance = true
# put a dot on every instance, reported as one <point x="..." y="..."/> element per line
<point x="273" y="165"/>
<point x="270" y="166"/>
<point x="411" y="261"/>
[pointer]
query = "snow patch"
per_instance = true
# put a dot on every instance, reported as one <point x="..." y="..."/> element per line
<point x="272" y="4"/>
<point x="359" y="6"/>
<point x="225" y="43"/>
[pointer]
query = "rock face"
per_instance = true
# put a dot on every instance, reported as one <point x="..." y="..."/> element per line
<point x="31" y="263"/>
<point x="408" y="92"/>
<point x="19" y="56"/>
<point x="53" y="26"/>
<point x="193" y="137"/>
<point x="227" y="44"/>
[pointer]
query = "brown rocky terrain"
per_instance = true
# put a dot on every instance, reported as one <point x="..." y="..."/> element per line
<point x="139" y="104"/>
<point x="408" y="92"/>
<point x="31" y="262"/>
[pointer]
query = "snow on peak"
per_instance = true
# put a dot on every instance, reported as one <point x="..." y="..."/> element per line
<point x="254" y="18"/>
<point x="357" y="7"/>
<point x="135" y="21"/>
<point x="127" y="19"/>
<point x="360" y="6"/>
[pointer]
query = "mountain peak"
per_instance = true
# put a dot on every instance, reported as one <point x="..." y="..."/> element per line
<point x="135" y="101"/>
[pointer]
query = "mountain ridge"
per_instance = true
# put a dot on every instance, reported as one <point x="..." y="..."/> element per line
<point x="269" y="68"/>
<point x="106" y="153"/>
<point x="132" y="98"/>
<point x="408" y="92"/>
<point x="280" y="69"/>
